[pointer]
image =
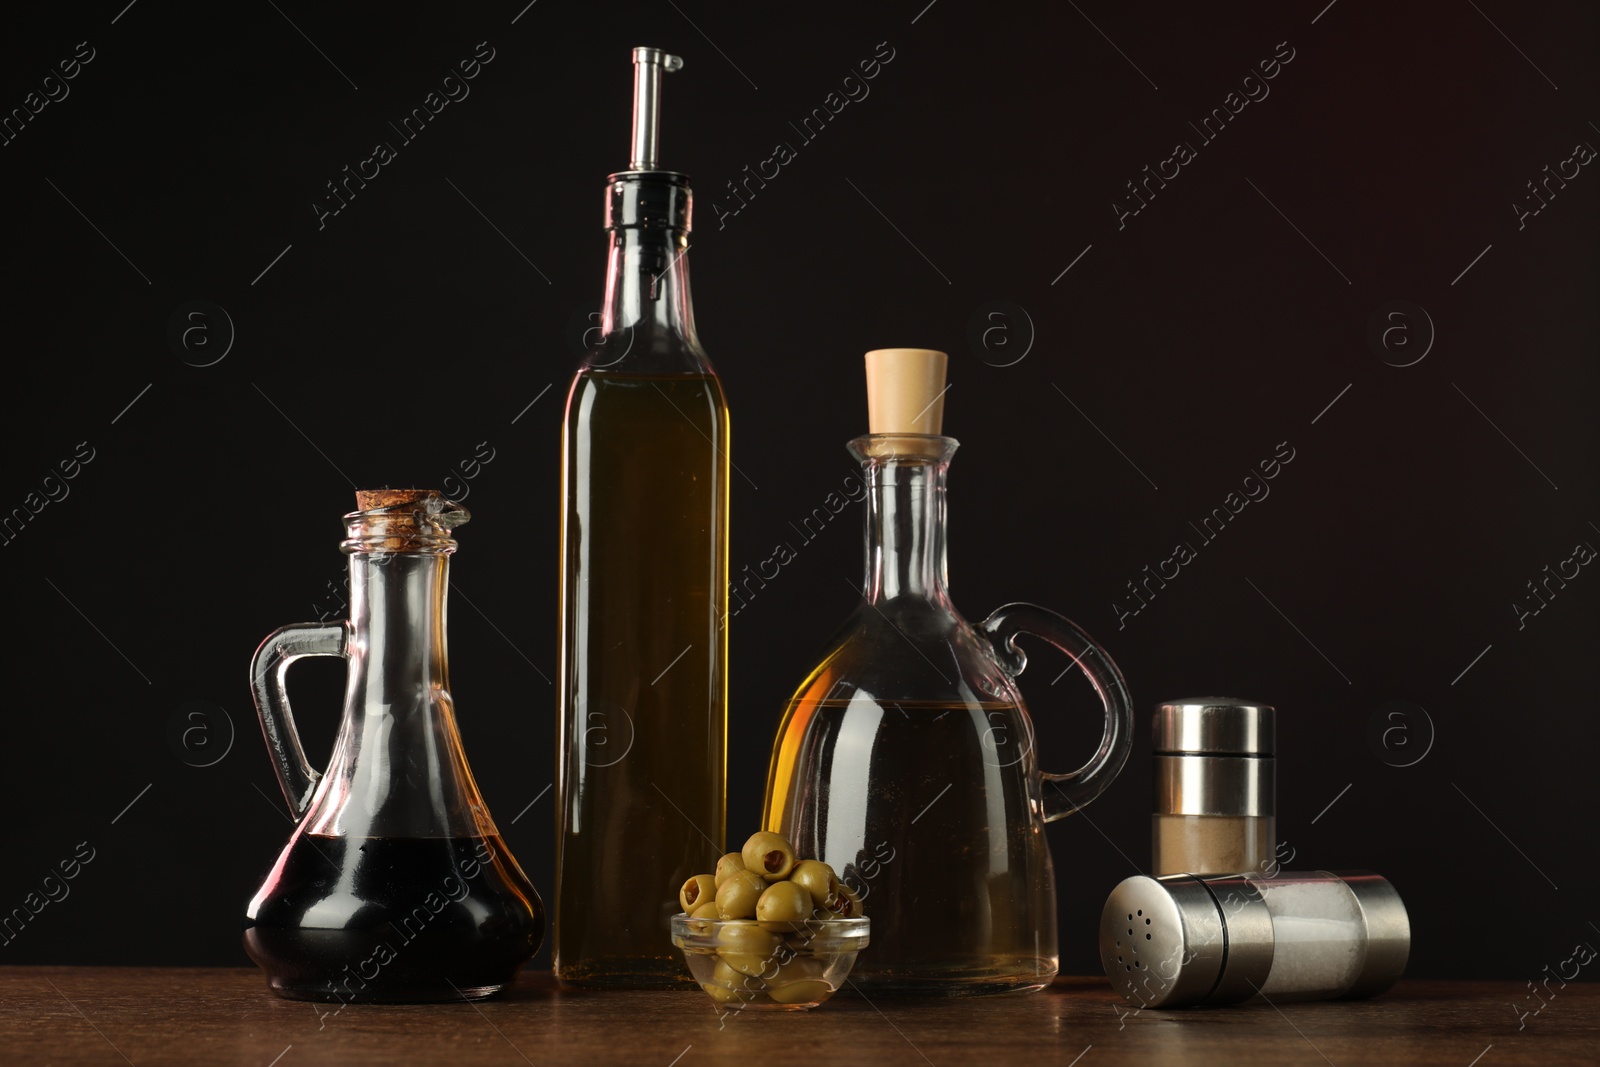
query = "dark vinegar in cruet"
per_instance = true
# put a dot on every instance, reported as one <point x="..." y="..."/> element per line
<point x="393" y="919"/>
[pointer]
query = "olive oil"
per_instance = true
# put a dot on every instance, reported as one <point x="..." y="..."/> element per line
<point x="952" y="869"/>
<point x="906" y="758"/>
<point x="641" y="749"/>
<point x="644" y="592"/>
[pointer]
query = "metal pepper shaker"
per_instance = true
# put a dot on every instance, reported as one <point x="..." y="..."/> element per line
<point x="1215" y="784"/>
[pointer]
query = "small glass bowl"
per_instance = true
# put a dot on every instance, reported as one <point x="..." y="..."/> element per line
<point x="769" y="966"/>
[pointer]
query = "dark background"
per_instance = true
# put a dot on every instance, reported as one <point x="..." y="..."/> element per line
<point x="1175" y="354"/>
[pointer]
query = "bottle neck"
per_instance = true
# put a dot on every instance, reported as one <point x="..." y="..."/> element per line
<point x="647" y="287"/>
<point x="905" y="546"/>
<point x="397" y="614"/>
<point x="397" y="768"/>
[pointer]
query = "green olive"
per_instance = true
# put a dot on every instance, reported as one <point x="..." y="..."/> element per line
<point x="722" y="993"/>
<point x="697" y="891"/>
<point x="754" y="966"/>
<point x="739" y="987"/>
<point x="769" y="853"/>
<point x="816" y="878"/>
<point x="799" y="968"/>
<point x="784" y="902"/>
<point x="805" y="991"/>
<point x="745" y="939"/>
<point x="708" y="910"/>
<point x="737" y="897"/>
<point x="729" y="986"/>
<point x="846" y="904"/>
<point x="726" y="866"/>
<point x="857" y="909"/>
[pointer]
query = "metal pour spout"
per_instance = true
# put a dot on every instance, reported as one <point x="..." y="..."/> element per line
<point x="648" y="65"/>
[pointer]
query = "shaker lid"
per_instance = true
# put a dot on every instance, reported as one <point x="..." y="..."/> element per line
<point x="1388" y="932"/>
<point x="1216" y="726"/>
<point x="1165" y="944"/>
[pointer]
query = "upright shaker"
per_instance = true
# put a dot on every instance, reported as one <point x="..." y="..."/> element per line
<point x="1215" y="804"/>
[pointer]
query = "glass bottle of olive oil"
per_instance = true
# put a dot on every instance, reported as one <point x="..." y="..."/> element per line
<point x="641" y="744"/>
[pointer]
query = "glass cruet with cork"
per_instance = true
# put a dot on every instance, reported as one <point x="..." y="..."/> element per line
<point x="395" y="885"/>
<point x="906" y="759"/>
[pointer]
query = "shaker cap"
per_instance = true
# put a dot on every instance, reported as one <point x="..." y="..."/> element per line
<point x="1164" y="942"/>
<point x="1215" y="726"/>
<point x="1388" y="929"/>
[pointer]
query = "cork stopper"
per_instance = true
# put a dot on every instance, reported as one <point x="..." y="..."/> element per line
<point x="905" y="390"/>
<point x="369" y="499"/>
<point x="402" y="520"/>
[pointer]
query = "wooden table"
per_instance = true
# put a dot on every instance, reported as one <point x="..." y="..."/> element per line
<point x="148" y="1016"/>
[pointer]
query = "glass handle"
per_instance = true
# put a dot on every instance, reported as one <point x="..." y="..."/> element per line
<point x="268" y="670"/>
<point x="1069" y="792"/>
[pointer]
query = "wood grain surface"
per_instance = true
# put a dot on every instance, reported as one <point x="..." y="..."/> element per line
<point x="148" y="1016"/>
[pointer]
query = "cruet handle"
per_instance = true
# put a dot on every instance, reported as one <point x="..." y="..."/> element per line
<point x="1069" y="792"/>
<point x="268" y="670"/>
